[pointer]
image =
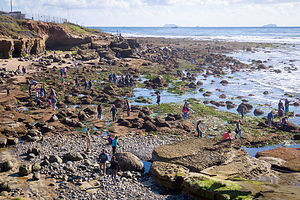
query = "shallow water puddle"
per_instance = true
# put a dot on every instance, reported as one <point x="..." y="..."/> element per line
<point x="147" y="166"/>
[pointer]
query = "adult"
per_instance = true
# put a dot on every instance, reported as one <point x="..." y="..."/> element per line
<point x="199" y="130"/>
<point x="7" y="91"/>
<point x="242" y="113"/>
<point x="53" y="102"/>
<point x="185" y="110"/>
<point x="88" y="140"/>
<point x="63" y="82"/>
<point x="113" y="111"/>
<point x="280" y="105"/>
<point x="103" y="158"/>
<point x="128" y="108"/>
<point x="99" y="110"/>
<point x="280" y="113"/>
<point x="238" y="130"/>
<point x="286" y="107"/>
<point x="61" y="72"/>
<point x="270" y="117"/>
<point x="115" y="167"/>
<point x="114" y="145"/>
<point x="65" y="71"/>
<point x="158" y="98"/>
<point x="77" y="83"/>
<point x="284" y="123"/>
<point x="85" y="84"/>
<point x="227" y="136"/>
<point x="90" y="84"/>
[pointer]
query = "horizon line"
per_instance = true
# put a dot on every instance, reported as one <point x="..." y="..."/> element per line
<point x="296" y="26"/>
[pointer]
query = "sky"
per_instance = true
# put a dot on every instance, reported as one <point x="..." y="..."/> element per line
<point x="206" y="13"/>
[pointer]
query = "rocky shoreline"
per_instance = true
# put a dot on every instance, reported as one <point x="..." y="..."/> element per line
<point x="43" y="149"/>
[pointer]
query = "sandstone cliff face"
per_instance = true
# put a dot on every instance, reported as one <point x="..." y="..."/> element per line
<point x="41" y="35"/>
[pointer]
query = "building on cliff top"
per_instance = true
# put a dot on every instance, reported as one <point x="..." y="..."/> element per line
<point x="15" y="14"/>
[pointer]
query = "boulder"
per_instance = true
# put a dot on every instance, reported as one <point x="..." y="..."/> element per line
<point x="224" y="82"/>
<point x="36" y="167"/>
<point x="12" y="141"/>
<point x="149" y="126"/>
<point x="247" y="107"/>
<point x="129" y="162"/>
<point x="291" y="156"/>
<point x="168" y="175"/>
<point x="35" y="150"/>
<point x="73" y="156"/>
<point x="7" y="165"/>
<point x="55" y="159"/>
<point x="25" y="169"/>
<point x="161" y="123"/>
<point x="3" y="142"/>
<point x="258" y="112"/>
<point x="36" y="176"/>
<point x="109" y="90"/>
<point x="89" y="111"/>
<point x="5" y="186"/>
<point x="82" y="116"/>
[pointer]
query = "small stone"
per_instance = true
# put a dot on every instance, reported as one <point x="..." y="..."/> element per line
<point x="25" y="169"/>
<point x="6" y="166"/>
<point x="55" y="159"/>
<point x="36" y="176"/>
<point x="36" y="167"/>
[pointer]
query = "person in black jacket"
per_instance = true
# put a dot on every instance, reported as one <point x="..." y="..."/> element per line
<point x="115" y="167"/>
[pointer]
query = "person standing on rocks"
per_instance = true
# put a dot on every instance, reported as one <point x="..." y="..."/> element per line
<point x="270" y="118"/>
<point x="242" y="113"/>
<point x="280" y="105"/>
<point x="65" y="71"/>
<point x="158" y="98"/>
<point x="128" y="108"/>
<point x="185" y="110"/>
<point x="284" y="123"/>
<point x="90" y="84"/>
<point x="238" y="130"/>
<point x="286" y="107"/>
<point x="7" y="91"/>
<point x="114" y="145"/>
<point x="53" y="102"/>
<point x="103" y="158"/>
<point x="280" y="113"/>
<point x="85" y="84"/>
<point x="77" y="83"/>
<point x="63" y="82"/>
<point x="113" y="111"/>
<point x="99" y="111"/>
<point x="199" y="130"/>
<point x="115" y="167"/>
<point x="88" y="140"/>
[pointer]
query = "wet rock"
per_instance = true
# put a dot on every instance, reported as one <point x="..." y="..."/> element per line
<point x="109" y="90"/>
<point x="73" y="156"/>
<point x="206" y="94"/>
<point x="25" y="169"/>
<point x="199" y="83"/>
<point x="247" y="107"/>
<point x="192" y="85"/>
<point x="224" y="82"/>
<point x="86" y="100"/>
<point x="161" y="123"/>
<point x="124" y="122"/>
<point x="120" y="103"/>
<point x="129" y="162"/>
<point x="262" y="66"/>
<point x="222" y="96"/>
<point x="266" y="92"/>
<point x="258" y="112"/>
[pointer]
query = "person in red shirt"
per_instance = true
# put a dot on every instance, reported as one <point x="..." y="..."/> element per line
<point x="227" y="137"/>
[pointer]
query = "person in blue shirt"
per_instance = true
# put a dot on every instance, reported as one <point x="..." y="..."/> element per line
<point x="114" y="145"/>
<point x="270" y="118"/>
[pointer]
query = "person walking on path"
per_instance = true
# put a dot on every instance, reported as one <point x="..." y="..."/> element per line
<point x="114" y="145"/>
<point x="238" y="130"/>
<point x="99" y="111"/>
<point x="185" y="110"/>
<point x="103" y="158"/>
<point x="115" y="167"/>
<point x="158" y="98"/>
<point x="270" y="118"/>
<point x="199" y="130"/>
<point x="88" y="140"/>
<point x="128" y="108"/>
<point x="113" y="111"/>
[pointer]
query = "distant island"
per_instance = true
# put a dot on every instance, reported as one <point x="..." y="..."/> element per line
<point x="171" y="26"/>
<point x="270" y="25"/>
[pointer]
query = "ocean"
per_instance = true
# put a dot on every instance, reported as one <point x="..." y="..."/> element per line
<point x="286" y="58"/>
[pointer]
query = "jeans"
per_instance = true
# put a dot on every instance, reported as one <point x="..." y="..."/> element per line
<point x="185" y="115"/>
<point x="200" y="134"/>
<point x="99" y="115"/>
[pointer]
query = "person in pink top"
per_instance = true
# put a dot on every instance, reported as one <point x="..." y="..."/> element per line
<point x="227" y="136"/>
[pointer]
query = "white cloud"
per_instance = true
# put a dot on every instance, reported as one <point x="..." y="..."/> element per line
<point x="159" y="12"/>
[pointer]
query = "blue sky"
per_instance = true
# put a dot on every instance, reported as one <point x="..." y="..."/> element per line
<point x="160" y="12"/>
